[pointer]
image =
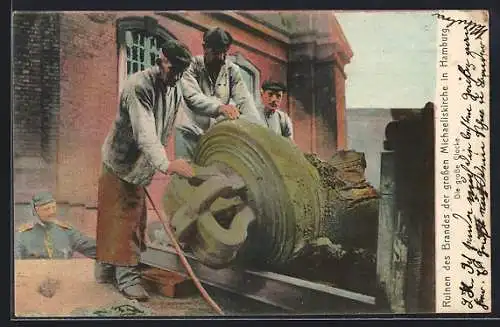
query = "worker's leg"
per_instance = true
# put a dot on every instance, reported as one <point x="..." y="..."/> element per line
<point x="128" y="278"/>
<point x="120" y="234"/>
<point x="104" y="273"/>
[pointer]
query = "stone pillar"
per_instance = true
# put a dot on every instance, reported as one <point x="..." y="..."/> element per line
<point x="325" y="102"/>
<point x="405" y="254"/>
<point x="340" y="106"/>
<point x="313" y="89"/>
<point x="301" y="92"/>
<point x="386" y="223"/>
<point x="318" y="55"/>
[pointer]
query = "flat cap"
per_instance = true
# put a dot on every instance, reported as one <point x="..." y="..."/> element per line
<point x="217" y="39"/>
<point x="42" y="198"/>
<point x="177" y="53"/>
<point x="273" y="86"/>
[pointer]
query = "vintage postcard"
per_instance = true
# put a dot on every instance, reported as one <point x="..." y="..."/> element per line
<point x="185" y="163"/>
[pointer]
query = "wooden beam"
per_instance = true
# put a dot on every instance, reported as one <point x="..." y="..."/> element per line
<point x="169" y="283"/>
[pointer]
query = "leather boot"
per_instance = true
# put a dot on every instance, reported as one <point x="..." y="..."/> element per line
<point x="128" y="280"/>
<point x="136" y="292"/>
<point x="104" y="273"/>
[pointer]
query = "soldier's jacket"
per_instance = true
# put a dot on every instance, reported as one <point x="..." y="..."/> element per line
<point x="52" y="240"/>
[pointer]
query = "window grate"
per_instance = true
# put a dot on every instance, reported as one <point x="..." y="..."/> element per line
<point x="142" y="50"/>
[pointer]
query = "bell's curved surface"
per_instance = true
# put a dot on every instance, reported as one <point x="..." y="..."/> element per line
<point x="283" y="188"/>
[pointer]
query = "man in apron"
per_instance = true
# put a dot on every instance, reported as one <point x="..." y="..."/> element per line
<point x="132" y="153"/>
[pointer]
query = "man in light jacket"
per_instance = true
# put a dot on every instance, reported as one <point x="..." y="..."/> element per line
<point x="208" y="85"/>
<point x="277" y="120"/>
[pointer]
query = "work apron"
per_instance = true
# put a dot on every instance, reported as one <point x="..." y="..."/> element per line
<point x="121" y="220"/>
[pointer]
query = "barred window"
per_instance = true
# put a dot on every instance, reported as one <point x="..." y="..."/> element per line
<point x="142" y="50"/>
<point x="139" y="41"/>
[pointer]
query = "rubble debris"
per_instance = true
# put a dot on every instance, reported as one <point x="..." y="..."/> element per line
<point x="332" y="264"/>
<point x="350" y="203"/>
<point x="131" y="308"/>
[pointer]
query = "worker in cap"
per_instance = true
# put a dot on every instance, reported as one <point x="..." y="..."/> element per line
<point x="271" y="95"/>
<point x="46" y="237"/>
<point x="173" y="60"/>
<point x="217" y="39"/>
<point x="210" y="86"/>
<point x="133" y="152"/>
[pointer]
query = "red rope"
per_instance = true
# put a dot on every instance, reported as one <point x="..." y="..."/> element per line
<point x="184" y="261"/>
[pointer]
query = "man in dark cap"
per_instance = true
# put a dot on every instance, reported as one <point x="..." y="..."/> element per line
<point x="271" y="95"/>
<point x="208" y="85"/>
<point x="45" y="237"/>
<point x="133" y="152"/>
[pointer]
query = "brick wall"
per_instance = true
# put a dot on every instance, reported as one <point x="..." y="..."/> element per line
<point x="36" y="84"/>
<point x="35" y="102"/>
<point x="89" y="93"/>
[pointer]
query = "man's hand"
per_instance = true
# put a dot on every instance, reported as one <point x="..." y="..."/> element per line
<point x="180" y="167"/>
<point x="229" y="111"/>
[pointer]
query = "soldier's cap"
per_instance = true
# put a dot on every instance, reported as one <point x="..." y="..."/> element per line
<point x="177" y="53"/>
<point x="217" y="39"/>
<point x="270" y="85"/>
<point x="42" y="198"/>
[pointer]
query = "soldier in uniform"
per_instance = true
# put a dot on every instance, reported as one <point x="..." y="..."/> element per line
<point x="209" y="85"/>
<point x="48" y="238"/>
<point x="271" y="94"/>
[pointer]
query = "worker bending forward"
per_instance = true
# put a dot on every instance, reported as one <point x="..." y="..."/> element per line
<point x="132" y="153"/>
